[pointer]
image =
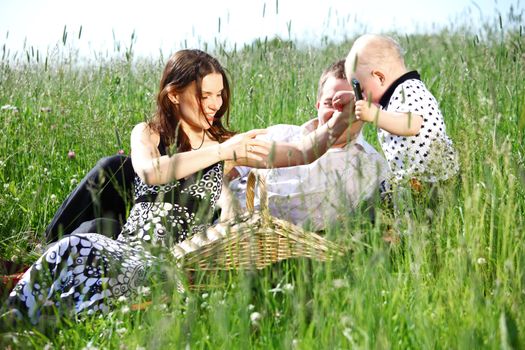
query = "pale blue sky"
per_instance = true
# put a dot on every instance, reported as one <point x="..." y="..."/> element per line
<point x="166" y="25"/>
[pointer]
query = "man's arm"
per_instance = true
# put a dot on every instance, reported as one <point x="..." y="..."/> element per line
<point x="312" y="145"/>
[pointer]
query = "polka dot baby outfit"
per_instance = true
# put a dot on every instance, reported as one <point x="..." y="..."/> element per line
<point x="429" y="155"/>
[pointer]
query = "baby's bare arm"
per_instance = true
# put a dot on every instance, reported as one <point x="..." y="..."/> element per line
<point x="401" y="124"/>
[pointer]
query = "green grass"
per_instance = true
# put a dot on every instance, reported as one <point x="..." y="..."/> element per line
<point x="455" y="281"/>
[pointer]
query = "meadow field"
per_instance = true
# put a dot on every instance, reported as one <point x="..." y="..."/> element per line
<point x="454" y="277"/>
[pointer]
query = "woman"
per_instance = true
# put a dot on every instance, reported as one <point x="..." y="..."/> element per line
<point x="178" y="158"/>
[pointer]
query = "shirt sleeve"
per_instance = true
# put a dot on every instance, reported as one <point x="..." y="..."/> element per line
<point x="282" y="133"/>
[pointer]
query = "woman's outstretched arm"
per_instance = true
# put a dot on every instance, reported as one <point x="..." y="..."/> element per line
<point x="155" y="169"/>
<point x="312" y="145"/>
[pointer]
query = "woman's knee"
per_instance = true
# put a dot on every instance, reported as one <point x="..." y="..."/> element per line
<point x="111" y="164"/>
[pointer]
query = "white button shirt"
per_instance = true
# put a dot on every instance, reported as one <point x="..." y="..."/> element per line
<point x="319" y="192"/>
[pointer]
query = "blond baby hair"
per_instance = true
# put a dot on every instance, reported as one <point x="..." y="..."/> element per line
<point x="372" y="51"/>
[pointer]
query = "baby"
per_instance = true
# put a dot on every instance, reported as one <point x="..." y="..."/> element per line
<point x="411" y="129"/>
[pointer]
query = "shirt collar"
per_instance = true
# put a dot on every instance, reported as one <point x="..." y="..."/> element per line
<point x="390" y="91"/>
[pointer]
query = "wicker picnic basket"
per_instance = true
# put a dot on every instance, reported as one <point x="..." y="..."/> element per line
<point x="254" y="240"/>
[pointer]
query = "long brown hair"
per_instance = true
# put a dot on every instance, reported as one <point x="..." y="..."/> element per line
<point x="183" y="68"/>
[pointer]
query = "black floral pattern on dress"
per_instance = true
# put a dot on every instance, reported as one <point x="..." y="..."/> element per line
<point x="170" y="211"/>
<point x="87" y="272"/>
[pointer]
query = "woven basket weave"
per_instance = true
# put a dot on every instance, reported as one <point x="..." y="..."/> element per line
<point x="254" y="240"/>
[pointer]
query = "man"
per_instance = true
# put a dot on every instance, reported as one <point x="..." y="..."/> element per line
<point x="347" y="175"/>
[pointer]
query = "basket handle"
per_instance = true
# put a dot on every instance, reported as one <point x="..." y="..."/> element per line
<point x="253" y="179"/>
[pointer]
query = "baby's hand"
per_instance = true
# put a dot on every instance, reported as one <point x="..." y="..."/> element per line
<point x="342" y="98"/>
<point x="366" y="111"/>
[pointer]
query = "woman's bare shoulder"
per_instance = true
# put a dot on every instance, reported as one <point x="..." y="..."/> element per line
<point x="143" y="131"/>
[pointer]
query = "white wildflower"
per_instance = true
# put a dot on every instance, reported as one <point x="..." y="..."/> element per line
<point x="255" y="317"/>
<point x="251" y="307"/>
<point x="125" y="309"/>
<point x="345" y="320"/>
<point x="288" y="287"/>
<point x="6" y="186"/>
<point x="339" y="283"/>
<point x="481" y="261"/>
<point x="142" y="290"/>
<point x="161" y="307"/>
<point x="89" y="346"/>
<point x="53" y="197"/>
<point x="74" y="181"/>
<point x="121" y="331"/>
<point x="9" y="108"/>
<point x="204" y="295"/>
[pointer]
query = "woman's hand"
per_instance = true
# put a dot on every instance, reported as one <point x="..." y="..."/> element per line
<point x="245" y="148"/>
<point x="155" y="169"/>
